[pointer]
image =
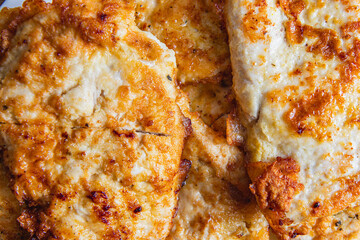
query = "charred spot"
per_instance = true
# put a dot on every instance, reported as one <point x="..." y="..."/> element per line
<point x="112" y="161"/>
<point x="149" y="123"/>
<point x="61" y="196"/>
<point x="281" y="222"/>
<point x="104" y="220"/>
<point x="99" y="31"/>
<point x="184" y="169"/>
<point x="169" y="77"/>
<point x="103" y="213"/>
<point x="176" y="209"/>
<point x="29" y="220"/>
<point x="187" y="125"/>
<point x="296" y="72"/>
<point x="300" y="130"/>
<point x="61" y="52"/>
<point x="113" y="234"/>
<point x="316" y="205"/>
<point x="106" y="207"/>
<point x="53" y="235"/>
<point x="117" y="133"/>
<point x="86" y="125"/>
<point x="343" y="56"/>
<point x="26" y="136"/>
<point x="194" y="50"/>
<point x="4" y="107"/>
<point x="338" y="223"/>
<point x="294" y="235"/>
<point x="225" y="81"/>
<point x="25" y="41"/>
<point x="102" y="17"/>
<point x="138" y="209"/>
<point x="130" y="135"/>
<point x="65" y="135"/>
<point x="96" y="196"/>
<point x="127" y="135"/>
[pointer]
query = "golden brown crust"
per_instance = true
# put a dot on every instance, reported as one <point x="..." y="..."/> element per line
<point x="255" y="21"/>
<point x="195" y="30"/>
<point x="91" y="130"/>
<point x="274" y="185"/>
<point x="315" y="103"/>
<point x="278" y="184"/>
<point x="292" y="8"/>
<point x="11" y="18"/>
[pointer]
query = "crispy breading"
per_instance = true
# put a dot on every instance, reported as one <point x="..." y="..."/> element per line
<point x="296" y="78"/>
<point x="91" y="131"/>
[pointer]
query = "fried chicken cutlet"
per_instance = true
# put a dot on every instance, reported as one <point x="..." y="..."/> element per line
<point x="215" y="202"/>
<point x="295" y="66"/>
<point x="91" y="131"/>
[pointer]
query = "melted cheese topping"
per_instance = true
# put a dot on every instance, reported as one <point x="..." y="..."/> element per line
<point x="296" y="78"/>
<point x="91" y="131"/>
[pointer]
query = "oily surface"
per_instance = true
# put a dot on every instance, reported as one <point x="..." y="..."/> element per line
<point x="296" y="78"/>
<point x="91" y="132"/>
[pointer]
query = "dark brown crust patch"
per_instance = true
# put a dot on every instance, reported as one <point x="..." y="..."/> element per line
<point x="292" y="8"/>
<point x="184" y="169"/>
<point x="43" y="145"/>
<point x="187" y="126"/>
<point x="274" y="186"/>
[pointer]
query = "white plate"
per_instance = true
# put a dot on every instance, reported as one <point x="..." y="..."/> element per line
<point x="14" y="3"/>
